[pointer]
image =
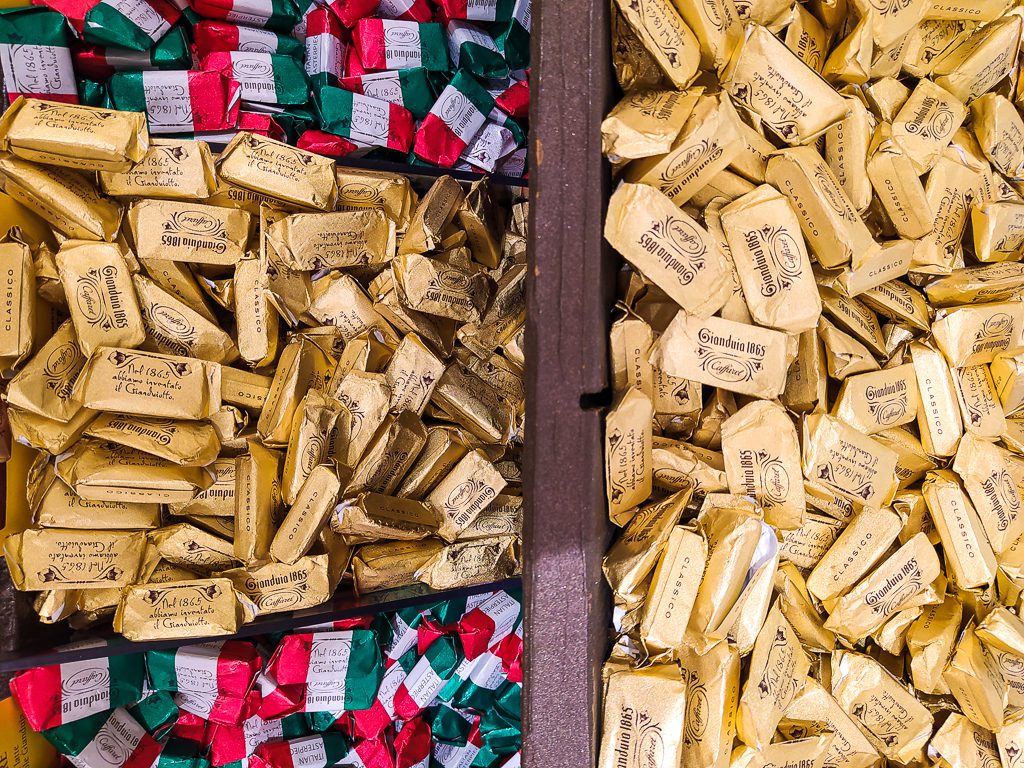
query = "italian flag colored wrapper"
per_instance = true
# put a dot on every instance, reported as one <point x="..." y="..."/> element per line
<point x="265" y="78"/>
<point x="390" y="44"/>
<point x="501" y="732"/>
<point x="278" y="700"/>
<point x="35" y="57"/>
<point x="225" y="668"/>
<point x="230" y="744"/>
<point x="474" y="50"/>
<point x="219" y="708"/>
<point x="514" y="40"/>
<point x="349" y="12"/>
<point x="179" y="753"/>
<point x="478" y="10"/>
<point x="366" y="121"/>
<point x="157" y="713"/>
<point x="318" y="751"/>
<point x="492" y="143"/>
<point x="372" y="722"/>
<point x="412" y="745"/>
<point x="215" y="36"/>
<point x="453" y="122"/>
<point x="324" y="143"/>
<point x="341" y="670"/>
<point x="179" y="101"/>
<point x="449" y="726"/>
<point x="190" y="727"/>
<point x="306" y="7"/>
<point x="488" y="624"/>
<point x="281" y="15"/>
<point x="64" y="693"/>
<point x="111" y="739"/>
<point x="451" y="756"/>
<point x="100" y="62"/>
<point x="408" y="88"/>
<point x="325" y="49"/>
<point x="135" y="24"/>
<point x="405" y="10"/>
<point x="480" y="684"/>
<point x="427" y="678"/>
<point x="510" y="650"/>
<point x="515" y="100"/>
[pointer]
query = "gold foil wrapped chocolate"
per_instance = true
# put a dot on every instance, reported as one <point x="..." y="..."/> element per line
<point x="190" y="231"/>
<point x="181" y="609"/>
<point x="279" y="171"/>
<point x="643" y="708"/>
<point x="52" y="558"/>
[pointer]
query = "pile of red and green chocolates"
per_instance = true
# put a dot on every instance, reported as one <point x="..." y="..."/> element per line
<point x="412" y="81"/>
<point x="429" y="686"/>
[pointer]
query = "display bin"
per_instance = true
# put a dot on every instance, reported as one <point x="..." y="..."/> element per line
<point x="570" y="291"/>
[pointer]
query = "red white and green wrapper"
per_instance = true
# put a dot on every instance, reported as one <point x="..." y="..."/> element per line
<point x="408" y="88"/>
<point x="230" y="744"/>
<point x="157" y="713"/>
<point x="324" y="143"/>
<point x="412" y="744"/>
<point x="510" y="650"/>
<point x="178" y="101"/>
<point x="365" y="121"/>
<point x="219" y="708"/>
<point x="281" y="15"/>
<point x="317" y="751"/>
<point x="478" y="10"/>
<point x="341" y="670"/>
<point x="265" y="78"/>
<point x="99" y="62"/>
<point x="325" y="49"/>
<point x="278" y="700"/>
<point x="488" y="624"/>
<point x="227" y="668"/>
<point x="453" y="122"/>
<point x="35" y="57"/>
<point x="427" y="678"/>
<point x="514" y="99"/>
<point x="64" y="693"/>
<point x="514" y="40"/>
<point x="215" y="36"/>
<point x="489" y="147"/>
<point x="112" y="739"/>
<point x="391" y="44"/>
<point x="306" y="7"/>
<point x="372" y="722"/>
<point x="474" y="50"/>
<point x="135" y="24"/>
<point x="405" y="10"/>
<point x="190" y="727"/>
<point x="349" y="12"/>
<point x="452" y="756"/>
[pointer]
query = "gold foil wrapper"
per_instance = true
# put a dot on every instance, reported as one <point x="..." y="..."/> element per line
<point x="465" y="563"/>
<point x="938" y="419"/>
<point x="175" y="328"/>
<point x="895" y="179"/>
<point x="979" y="401"/>
<point x="294" y="376"/>
<point x="712" y="695"/>
<point x="182" y="609"/>
<point x="148" y="384"/>
<point x="243" y="388"/>
<point x="388" y="192"/>
<point x="307" y="515"/>
<point x="444" y="290"/>
<point x="806" y="546"/>
<point x="313" y="241"/>
<point x="475" y="405"/>
<point x="986" y="282"/>
<point x="18" y="295"/>
<point x="706" y="144"/>
<point x="277" y="587"/>
<point x="761" y="451"/>
<point x="961" y="742"/>
<point x="74" y="135"/>
<point x="257" y="499"/>
<point x="721" y="353"/>
<point x="771" y="260"/>
<point x="189" y="547"/>
<point x="896" y="724"/>
<point x="974" y="334"/>
<point x="848" y="462"/>
<point x="103" y="471"/>
<point x="102" y="301"/>
<point x="390" y="453"/>
<point x="628" y="454"/>
<point x="464" y="493"/>
<point x="646" y="123"/>
<point x="899" y="302"/>
<point x="412" y="374"/>
<point x="55" y="505"/>
<point x="998" y="229"/>
<point x="174" y="169"/>
<point x="969" y="555"/>
<point x="309" y="443"/>
<point x="926" y="123"/>
<point x="673" y="590"/>
<point x="778" y="666"/>
<point x="257" y="320"/>
<point x="219" y="499"/>
<point x="930" y="642"/>
<point x="873" y="402"/>
<point x="976" y="681"/>
<point x="814" y="712"/>
<point x="663" y="242"/>
<point x="190" y="231"/>
<point x="366" y="396"/>
<point x="676" y="465"/>
<point x="665" y="37"/>
<point x="951" y="190"/>
<point x="844" y="355"/>
<point x="444" y="447"/>
<point x="981" y="61"/>
<point x="376" y="516"/>
<point x="645" y="714"/>
<point x="391" y="564"/>
<point x="65" y="199"/>
<point x="281" y="172"/>
<point x="46" y="434"/>
<point x="432" y="215"/>
<point x="45" y="384"/>
<point x="177" y="279"/>
<point x="187" y="443"/>
<point x="53" y="558"/>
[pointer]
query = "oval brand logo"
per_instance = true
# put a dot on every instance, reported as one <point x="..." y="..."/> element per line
<point x="172" y="320"/>
<point x="453" y="107"/>
<point x="91" y="679"/>
<point x="89" y="301"/>
<point x="62" y="360"/>
<point x="195" y="222"/>
<point x="400" y="35"/>
<point x="253" y="68"/>
<point x="359" y="193"/>
<point x="651" y="749"/>
<point x="112" y="751"/>
<point x="454" y="280"/>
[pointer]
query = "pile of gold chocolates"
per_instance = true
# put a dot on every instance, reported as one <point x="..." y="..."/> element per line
<point x="260" y="373"/>
<point x="815" y="452"/>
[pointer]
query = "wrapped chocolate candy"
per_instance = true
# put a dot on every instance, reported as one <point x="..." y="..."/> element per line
<point x="35" y="55"/>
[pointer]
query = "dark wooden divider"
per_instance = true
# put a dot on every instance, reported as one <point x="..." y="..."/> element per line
<point x="568" y="300"/>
